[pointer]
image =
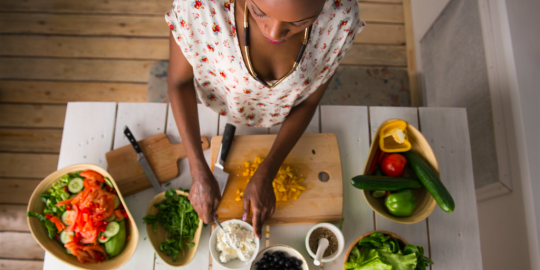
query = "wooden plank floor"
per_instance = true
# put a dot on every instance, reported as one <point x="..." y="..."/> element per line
<point x="101" y="51"/>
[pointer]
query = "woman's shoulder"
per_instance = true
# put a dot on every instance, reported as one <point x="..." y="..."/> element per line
<point x="339" y="10"/>
<point x="190" y="8"/>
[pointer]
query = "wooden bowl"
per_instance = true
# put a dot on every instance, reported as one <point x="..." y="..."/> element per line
<point x="156" y="238"/>
<point x="346" y="258"/>
<point x="40" y="233"/>
<point x="425" y="203"/>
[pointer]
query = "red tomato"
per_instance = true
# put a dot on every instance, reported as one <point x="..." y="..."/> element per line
<point x="393" y="165"/>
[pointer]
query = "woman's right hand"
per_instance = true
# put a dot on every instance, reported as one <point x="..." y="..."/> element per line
<point x="204" y="195"/>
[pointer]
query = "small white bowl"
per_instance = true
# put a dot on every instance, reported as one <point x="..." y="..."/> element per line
<point x="236" y="263"/>
<point x="289" y="251"/>
<point x="339" y="235"/>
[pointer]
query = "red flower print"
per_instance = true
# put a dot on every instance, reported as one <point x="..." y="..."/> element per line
<point x="210" y="47"/>
<point x="330" y="29"/>
<point x="171" y="26"/>
<point x="337" y="4"/>
<point x="206" y="83"/>
<point x="233" y="33"/>
<point x="332" y="16"/>
<point x="326" y="67"/>
<point x="216" y="29"/>
<point x="343" y="22"/>
<point x="183" y="23"/>
<point x="283" y="97"/>
<point x="213" y="12"/>
<point x="212" y="97"/>
<point x="247" y="91"/>
<point x="198" y="4"/>
<point x="204" y="59"/>
<point x="306" y="82"/>
<point x="250" y="116"/>
<point x="250" y="125"/>
<point x="286" y="106"/>
<point x="241" y="109"/>
<point x="227" y="6"/>
<point x="212" y="73"/>
<point x="222" y="73"/>
<point x="222" y="112"/>
<point x="195" y="15"/>
<point x="260" y="104"/>
<point x="274" y="114"/>
<point x="348" y="10"/>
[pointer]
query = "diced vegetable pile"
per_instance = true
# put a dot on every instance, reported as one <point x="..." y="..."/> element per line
<point x="179" y="219"/>
<point x="84" y="214"/>
<point x="286" y="183"/>
<point x="383" y="252"/>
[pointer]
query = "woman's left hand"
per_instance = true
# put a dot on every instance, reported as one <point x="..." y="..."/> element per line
<point x="259" y="194"/>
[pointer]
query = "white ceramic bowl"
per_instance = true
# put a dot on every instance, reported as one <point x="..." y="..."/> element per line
<point x="236" y="263"/>
<point x="289" y="252"/>
<point x="339" y="235"/>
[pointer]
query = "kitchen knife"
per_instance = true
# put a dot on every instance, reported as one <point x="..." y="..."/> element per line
<point x="221" y="176"/>
<point x="142" y="161"/>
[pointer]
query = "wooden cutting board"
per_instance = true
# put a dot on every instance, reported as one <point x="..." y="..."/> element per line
<point x="313" y="154"/>
<point x="162" y="156"/>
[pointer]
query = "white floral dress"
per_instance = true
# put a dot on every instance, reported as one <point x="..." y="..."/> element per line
<point x="207" y="35"/>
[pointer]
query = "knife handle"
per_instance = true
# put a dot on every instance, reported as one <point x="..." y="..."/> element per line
<point x="132" y="140"/>
<point x="227" y="140"/>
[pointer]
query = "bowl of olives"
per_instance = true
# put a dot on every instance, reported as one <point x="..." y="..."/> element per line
<point x="279" y="257"/>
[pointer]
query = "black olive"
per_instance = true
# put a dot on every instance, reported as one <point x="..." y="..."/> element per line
<point x="272" y="264"/>
<point x="266" y="254"/>
<point x="288" y="264"/>
<point x="257" y="265"/>
<point x="281" y="262"/>
<point x="298" y="263"/>
<point x="276" y="259"/>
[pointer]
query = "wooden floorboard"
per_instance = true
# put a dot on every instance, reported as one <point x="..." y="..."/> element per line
<point x="85" y="47"/>
<point x="30" y="140"/>
<point x="380" y="33"/>
<point x="46" y="92"/>
<point x="16" y="191"/>
<point x="22" y="165"/>
<point x="32" y="115"/>
<point x="75" y="69"/>
<point x="13" y="218"/>
<point x="20" y="264"/>
<point x="20" y="245"/>
<point x="377" y="55"/>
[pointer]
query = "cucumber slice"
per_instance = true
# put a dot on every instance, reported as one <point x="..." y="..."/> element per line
<point x="112" y="229"/>
<point x="105" y="238"/>
<point x="64" y="236"/>
<point x="116" y="201"/>
<point x="378" y="193"/>
<point x="108" y="182"/>
<point x="65" y="217"/>
<point x="75" y="185"/>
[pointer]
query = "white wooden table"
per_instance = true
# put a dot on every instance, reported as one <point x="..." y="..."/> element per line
<point x="452" y="240"/>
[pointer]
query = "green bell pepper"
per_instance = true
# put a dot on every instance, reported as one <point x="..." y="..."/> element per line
<point x="400" y="204"/>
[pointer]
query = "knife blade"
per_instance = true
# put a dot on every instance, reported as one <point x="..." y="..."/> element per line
<point x="221" y="176"/>
<point x="142" y="161"/>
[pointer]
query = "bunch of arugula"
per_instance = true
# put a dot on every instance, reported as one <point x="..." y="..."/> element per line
<point x="179" y="219"/>
<point x="382" y="252"/>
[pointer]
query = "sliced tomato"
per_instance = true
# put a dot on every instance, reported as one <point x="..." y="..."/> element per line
<point x="92" y="175"/>
<point x="59" y="225"/>
<point x="118" y="214"/>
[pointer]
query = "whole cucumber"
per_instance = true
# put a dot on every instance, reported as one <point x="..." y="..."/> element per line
<point x="372" y="182"/>
<point x="432" y="183"/>
<point x="116" y="244"/>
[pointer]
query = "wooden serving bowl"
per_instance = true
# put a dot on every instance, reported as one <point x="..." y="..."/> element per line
<point x="425" y="203"/>
<point x="156" y="238"/>
<point x="346" y="258"/>
<point x="40" y="233"/>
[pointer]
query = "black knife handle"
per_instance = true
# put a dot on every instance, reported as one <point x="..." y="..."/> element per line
<point x="227" y="140"/>
<point x="132" y="140"/>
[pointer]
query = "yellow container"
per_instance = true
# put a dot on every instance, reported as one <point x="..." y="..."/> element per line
<point x="393" y="137"/>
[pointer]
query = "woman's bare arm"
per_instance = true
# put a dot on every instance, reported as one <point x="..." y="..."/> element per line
<point x="204" y="194"/>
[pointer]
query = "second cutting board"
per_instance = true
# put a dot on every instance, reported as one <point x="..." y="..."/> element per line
<point x="313" y="155"/>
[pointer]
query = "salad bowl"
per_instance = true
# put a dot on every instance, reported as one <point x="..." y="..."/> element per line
<point x="39" y="232"/>
<point x="425" y="203"/>
<point x="346" y="258"/>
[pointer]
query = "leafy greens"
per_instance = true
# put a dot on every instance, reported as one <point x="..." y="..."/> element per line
<point x="382" y="252"/>
<point x="179" y="219"/>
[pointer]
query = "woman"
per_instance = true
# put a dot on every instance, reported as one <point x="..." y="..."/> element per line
<point x="260" y="63"/>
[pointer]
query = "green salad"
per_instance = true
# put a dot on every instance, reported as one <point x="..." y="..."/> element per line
<point x="379" y="251"/>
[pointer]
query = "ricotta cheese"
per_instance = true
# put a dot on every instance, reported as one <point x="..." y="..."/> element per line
<point x="239" y="237"/>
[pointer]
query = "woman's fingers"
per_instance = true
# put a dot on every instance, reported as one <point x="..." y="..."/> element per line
<point x="257" y="223"/>
<point x="246" y="202"/>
